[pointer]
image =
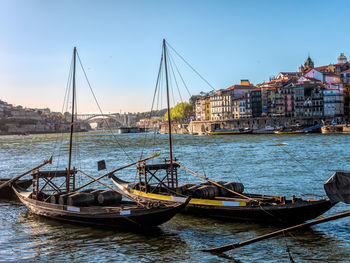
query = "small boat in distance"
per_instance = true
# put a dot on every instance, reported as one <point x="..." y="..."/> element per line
<point x="54" y="195"/>
<point x="131" y="130"/>
<point x="230" y="131"/>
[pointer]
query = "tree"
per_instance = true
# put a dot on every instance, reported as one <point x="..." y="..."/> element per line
<point x="180" y="112"/>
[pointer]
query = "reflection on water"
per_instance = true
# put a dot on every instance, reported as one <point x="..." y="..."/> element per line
<point x="268" y="164"/>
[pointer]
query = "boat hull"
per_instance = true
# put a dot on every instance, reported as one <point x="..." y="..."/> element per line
<point x="111" y="217"/>
<point x="228" y="210"/>
<point x="266" y="214"/>
<point x="7" y="193"/>
<point x="223" y="132"/>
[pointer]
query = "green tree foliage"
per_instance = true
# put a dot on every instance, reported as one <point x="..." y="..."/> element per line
<point x="145" y="115"/>
<point x="180" y="112"/>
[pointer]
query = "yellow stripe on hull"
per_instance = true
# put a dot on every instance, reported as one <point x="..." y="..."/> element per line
<point x="290" y="132"/>
<point x="194" y="201"/>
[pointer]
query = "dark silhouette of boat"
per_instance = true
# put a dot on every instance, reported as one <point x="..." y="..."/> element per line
<point x="123" y="215"/>
<point x="7" y="193"/>
<point x="266" y="209"/>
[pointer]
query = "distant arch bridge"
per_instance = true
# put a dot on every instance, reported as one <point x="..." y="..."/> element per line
<point x="93" y="117"/>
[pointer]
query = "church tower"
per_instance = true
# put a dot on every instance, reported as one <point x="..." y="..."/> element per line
<point x="309" y="64"/>
<point x="342" y="58"/>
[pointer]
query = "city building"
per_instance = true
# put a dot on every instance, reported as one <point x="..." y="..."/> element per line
<point x="239" y="108"/>
<point x="200" y="109"/>
<point x="308" y="99"/>
<point x="345" y="76"/>
<point x="207" y="109"/>
<point x="255" y="102"/>
<point x="221" y="103"/>
<point x="333" y="98"/>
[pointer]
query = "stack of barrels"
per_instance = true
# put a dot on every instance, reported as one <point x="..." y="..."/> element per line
<point x="209" y="191"/>
<point x="87" y="198"/>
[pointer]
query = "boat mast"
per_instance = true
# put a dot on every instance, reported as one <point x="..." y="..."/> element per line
<point x="169" y="119"/>
<point x="71" y="127"/>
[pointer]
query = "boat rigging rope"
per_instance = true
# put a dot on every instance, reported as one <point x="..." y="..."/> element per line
<point x="178" y="72"/>
<point x="172" y="62"/>
<point x="296" y="160"/>
<point x="188" y="64"/>
<point x="154" y="96"/>
<point x="98" y="105"/>
<point x="64" y="106"/>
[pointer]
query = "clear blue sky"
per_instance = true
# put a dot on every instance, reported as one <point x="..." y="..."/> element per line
<point x="120" y="45"/>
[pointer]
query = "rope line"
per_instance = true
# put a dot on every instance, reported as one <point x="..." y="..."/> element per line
<point x="98" y="105"/>
<point x="188" y="64"/>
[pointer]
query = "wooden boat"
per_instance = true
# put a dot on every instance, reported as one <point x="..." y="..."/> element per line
<point x="7" y="193"/>
<point x="288" y="131"/>
<point x="230" y="132"/>
<point x="221" y="200"/>
<point x="264" y="209"/>
<point x="312" y="129"/>
<point x="123" y="215"/>
<point x="63" y="201"/>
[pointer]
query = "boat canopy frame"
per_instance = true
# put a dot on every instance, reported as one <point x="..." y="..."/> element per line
<point x="148" y="177"/>
<point x="47" y="177"/>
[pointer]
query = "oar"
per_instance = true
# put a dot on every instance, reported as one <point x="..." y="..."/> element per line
<point x="118" y="169"/>
<point x="215" y="183"/>
<point x="282" y="231"/>
<point x="23" y="174"/>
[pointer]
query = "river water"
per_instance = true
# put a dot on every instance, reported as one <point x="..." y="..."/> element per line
<point x="267" y="164"/>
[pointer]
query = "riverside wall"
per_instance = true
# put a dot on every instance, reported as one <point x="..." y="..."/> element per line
<point x="196" y="127"/>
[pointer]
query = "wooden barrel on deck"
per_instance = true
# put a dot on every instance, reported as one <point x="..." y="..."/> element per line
<point x="234" y="186"/>
<point x="191" y="190"/>
<point x="81" y="199"/>
<point x="62" y="199"/>
<point x="54" y="198"/>
<point x="96" y="193"/>
<point x="207" y="192"/>
<point x="182" y="188"/>
<point x="109" y="197"/>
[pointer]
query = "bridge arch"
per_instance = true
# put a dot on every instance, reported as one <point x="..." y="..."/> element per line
<point x="107" y="116"/>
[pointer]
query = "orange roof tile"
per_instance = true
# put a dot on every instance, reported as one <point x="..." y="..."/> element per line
<point x="346" y="71"/>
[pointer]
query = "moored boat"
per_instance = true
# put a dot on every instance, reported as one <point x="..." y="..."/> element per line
<point x="7" y="193"/>
<point x="54" y="194"/>
<point x="228" y="131"/>
<point x="266" y="209"/>
<point x="123" y="215"/>
<point x="223" y="200"/>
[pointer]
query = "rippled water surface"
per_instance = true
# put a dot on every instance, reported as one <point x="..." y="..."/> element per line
<point x="267" y="164"/>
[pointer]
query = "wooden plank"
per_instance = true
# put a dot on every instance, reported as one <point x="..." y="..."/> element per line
<point x="59" y="173"/>
<point x="157" y="166"/>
